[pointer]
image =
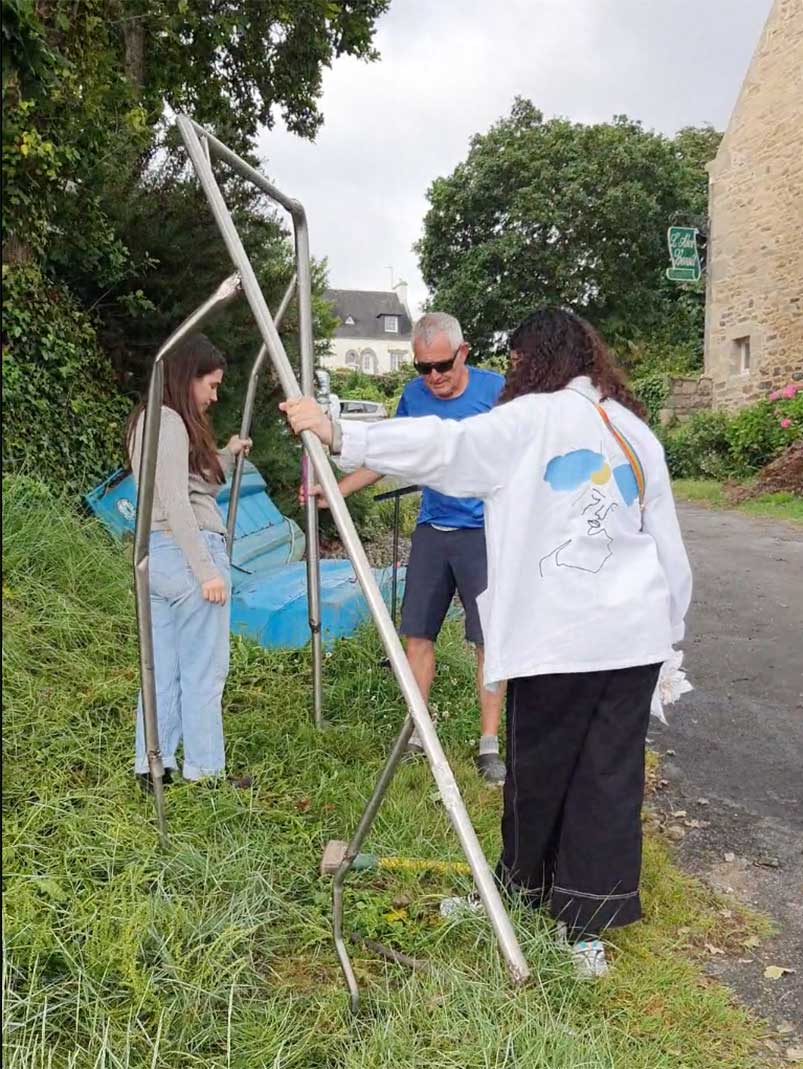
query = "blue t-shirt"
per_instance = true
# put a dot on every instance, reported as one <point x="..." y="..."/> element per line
<point x="480" y="395"/>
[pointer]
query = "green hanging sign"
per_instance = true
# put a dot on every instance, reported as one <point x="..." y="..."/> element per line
<point x="682" y="241"/>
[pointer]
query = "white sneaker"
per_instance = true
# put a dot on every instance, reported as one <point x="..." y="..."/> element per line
<point x="465" y="904"/>
<point x="588" y="955"/>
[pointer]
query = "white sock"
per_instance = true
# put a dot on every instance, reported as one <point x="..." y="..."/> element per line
<point x="489" y="744"/>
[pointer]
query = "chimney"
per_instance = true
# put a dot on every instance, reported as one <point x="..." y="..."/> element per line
<point x="401" y="292"/>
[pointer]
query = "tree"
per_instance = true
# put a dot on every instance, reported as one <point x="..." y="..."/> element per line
<point x="102" y="218"/>
<point x="86" y="86"/>
<point x="567" y="213"/>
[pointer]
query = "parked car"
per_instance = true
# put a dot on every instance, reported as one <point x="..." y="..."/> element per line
<point x="369" y="411"/>
<point x="340" y="408"/>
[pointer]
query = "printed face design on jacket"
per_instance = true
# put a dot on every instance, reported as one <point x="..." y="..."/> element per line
<point x="588" y="543"/>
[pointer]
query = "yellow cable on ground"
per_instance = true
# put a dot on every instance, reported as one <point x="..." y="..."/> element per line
<point x="413" y="864"/>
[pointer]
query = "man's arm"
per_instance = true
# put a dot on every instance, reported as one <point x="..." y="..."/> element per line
<point x="362" y="477"/>
<point x="349" y="484"/>
<point x="358" y="480"/>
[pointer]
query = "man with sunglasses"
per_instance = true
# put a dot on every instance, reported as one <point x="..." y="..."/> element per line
<point x="448" y="546"/>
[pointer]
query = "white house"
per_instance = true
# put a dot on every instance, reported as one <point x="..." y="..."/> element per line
<point x="373" y="332"/>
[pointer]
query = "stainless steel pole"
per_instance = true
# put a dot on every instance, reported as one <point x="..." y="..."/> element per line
<point x="364" y="826"/>
<point x="306" y="346"/>
<point x="248" y="415"/>
<point x="223" y="295"/>
<point x="442" y="773"/>
<point x="245" y="170"/>
<point x="396" y="522"/>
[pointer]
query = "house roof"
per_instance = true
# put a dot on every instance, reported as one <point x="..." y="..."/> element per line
<point x="366" y="308"/>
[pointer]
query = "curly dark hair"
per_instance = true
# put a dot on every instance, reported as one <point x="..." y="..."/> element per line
<point x="554" y="346"/>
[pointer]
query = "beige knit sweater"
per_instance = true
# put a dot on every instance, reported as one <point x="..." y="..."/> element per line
<point x="184" y="504"/>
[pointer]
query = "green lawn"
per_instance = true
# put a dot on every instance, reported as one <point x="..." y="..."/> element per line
<point x="217" y="953"/>
<point x="782" y="506"/>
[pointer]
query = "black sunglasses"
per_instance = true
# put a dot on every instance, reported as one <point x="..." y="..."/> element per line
<point x="441" y="366"/>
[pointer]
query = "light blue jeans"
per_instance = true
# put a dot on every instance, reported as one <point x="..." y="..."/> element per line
<point x="191" y="659"/>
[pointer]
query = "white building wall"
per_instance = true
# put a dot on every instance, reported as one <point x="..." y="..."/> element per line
<point x="374" y="356"/>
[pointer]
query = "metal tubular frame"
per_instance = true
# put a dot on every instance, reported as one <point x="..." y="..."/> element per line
<point x="418" y="715"/>
<point x="248" y="415"/>
<point x="307" y="348"/>
<point x="210" y="148"/>
<point x="397" y="495"/>
<point x="223" y="295"/>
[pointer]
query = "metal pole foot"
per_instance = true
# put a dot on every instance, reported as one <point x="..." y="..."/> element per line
<point x="353" y="849"/>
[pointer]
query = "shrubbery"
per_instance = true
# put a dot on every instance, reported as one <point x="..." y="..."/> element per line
<point x="386" y="389"/>
<point x="721" y="445"/>
<point x="63" y="414"/>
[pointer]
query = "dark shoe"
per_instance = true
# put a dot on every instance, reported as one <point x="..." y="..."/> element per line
<point x="146" y="783"/>
<point x="242" y="783"/>
<point x="415" y="748"/>
<point x="492" y="769"/>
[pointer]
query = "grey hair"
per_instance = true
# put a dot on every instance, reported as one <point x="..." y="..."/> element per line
<point x="434" y="323"/>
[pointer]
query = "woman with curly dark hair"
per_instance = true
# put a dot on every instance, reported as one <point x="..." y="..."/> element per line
<point x="588" y="588"/>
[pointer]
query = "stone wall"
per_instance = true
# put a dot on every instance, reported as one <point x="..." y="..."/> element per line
<point x="755" y="250"/>
<point x="685" y="397"/>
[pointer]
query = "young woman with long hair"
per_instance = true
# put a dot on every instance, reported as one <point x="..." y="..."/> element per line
<point x="588" y="588"/>
<point x="190" y="580"/>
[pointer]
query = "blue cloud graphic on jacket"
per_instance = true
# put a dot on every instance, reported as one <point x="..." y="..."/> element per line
<point x="588" y="544"/>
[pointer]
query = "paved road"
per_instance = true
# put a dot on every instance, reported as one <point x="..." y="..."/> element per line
<point x="737" y="740"/>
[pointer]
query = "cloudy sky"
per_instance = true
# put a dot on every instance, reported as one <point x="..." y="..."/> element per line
<point x="450" y="68"/>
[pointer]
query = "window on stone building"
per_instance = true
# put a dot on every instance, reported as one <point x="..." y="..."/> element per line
<point x="742" y="348"/>
<point x="352" y="358"/>
<point x="391" y="324"/>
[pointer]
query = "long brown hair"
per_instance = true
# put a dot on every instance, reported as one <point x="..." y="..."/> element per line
<point x="195" y="357"/>
<point x="553" y="347"/>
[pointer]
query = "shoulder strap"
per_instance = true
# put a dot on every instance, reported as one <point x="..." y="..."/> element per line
<point x="629" y="452"/>
<point x="624" y="445"/>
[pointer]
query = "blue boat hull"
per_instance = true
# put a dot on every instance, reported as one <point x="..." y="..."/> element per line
<point x="269" y="580"/>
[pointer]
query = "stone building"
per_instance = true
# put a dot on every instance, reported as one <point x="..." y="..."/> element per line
<point x="374" y="330"/>
<point x="754" y="306"/>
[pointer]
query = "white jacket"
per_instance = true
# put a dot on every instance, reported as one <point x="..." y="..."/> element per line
<point x="579" y="579"/>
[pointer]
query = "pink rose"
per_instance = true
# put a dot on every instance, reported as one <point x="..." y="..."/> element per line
<point x="776" y="395"/>
<point x="786" y="423"/>
<point x="790" y="390"/>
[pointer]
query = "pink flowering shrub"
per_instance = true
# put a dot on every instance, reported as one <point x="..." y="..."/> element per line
<point x="719" y="445"/>
<point x="761" y="431"/>
<point x="787" y="392"/>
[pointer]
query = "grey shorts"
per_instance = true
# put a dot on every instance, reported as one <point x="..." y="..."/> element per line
<point x="440" y="563"/>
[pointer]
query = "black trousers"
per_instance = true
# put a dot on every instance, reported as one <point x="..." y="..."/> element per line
<point x="571" y="828"/>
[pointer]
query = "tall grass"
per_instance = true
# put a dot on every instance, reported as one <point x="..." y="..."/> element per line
<point x="217" y="952"/>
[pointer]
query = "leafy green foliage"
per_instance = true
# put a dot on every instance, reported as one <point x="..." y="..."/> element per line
<point x="62" y="412"/>
<point x="85" y="85"/>
<point x="755" y="434"/>
<point x="386" y="389"/>
<point x="720" y="445"/>
<point x="235" y="64"/>
<point x="560" y="212"/>
<point x="652" y="390"/>
<point x="98" y="202"/>
<point x="699" y="446"/>
<point x="71" y="124"/>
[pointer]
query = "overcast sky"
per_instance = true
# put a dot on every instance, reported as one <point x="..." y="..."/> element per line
<point x="450" y="68"/>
